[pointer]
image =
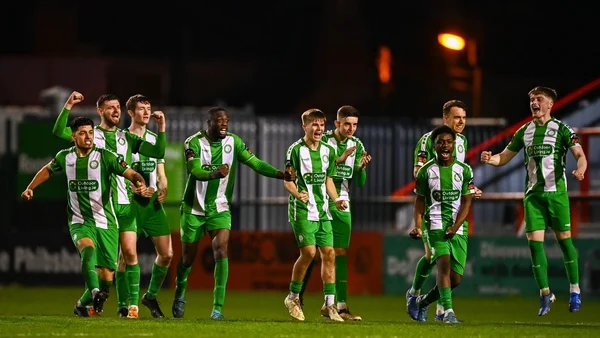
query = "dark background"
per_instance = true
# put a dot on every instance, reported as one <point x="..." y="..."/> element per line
<point x="285" y="56"/>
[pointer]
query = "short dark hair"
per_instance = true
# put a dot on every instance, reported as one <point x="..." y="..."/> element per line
<point x="134" y="100"/>
<point x="313" y="114"/>
<point x="105" y="97"/>
<point x="442" y="130"/>
<point x="546" y="91"/>
<point x="214" y="110"/>
<point x="453" y="103"/>
<point x="80" y="122"/>
<point x="347" y="111"/>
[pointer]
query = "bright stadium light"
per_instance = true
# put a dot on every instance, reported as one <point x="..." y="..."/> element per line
<point x="451" y="41"/>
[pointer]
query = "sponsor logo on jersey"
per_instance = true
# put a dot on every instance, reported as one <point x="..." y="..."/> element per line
<point x="540" y="150"/>
<point x="445" y="195"/>
<point x="314" y="178"/>
<point x="83" y="185"/>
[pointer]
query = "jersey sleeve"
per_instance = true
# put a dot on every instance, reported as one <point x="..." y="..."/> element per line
<point x="423" y="149"/>
<point x="244" y="154"/>
<point x="58" y="162"/>
<point x="517" y="142"/>
<point x="421" y="183"/>
<point x="360" y="151"/>
<point x="468" y="186"/>
<point x="115" y="163"/>
<point x="136" y="142"/>
<point x="568" y="137"/>
<point x="292" y="158"/>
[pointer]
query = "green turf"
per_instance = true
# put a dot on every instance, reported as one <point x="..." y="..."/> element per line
<point x="47" y="312"/>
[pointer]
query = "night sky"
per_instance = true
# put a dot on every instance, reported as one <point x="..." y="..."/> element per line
<point x="537" y="42"/>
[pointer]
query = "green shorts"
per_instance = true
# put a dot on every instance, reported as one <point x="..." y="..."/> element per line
<point x="341" y="225"/>
<point x="455" y="247"/>
<point x="151" y="218"/>
<point x="126" y="216"/>
<point x="547" y="209"/>
<point x="313" y="233"/>
<point x="192" y="227"/>
<point x="106" y="242"/>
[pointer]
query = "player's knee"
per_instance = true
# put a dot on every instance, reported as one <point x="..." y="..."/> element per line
<point x="165" y="258"/>
<point x="220" y="251"/>
<point x="105" y="274"/>
<point x="340" y="251"/>
<point x="561" y="235"/>
<point x="328" y="254"/>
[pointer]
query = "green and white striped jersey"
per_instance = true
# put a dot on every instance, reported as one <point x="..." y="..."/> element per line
<point x="345" y="171"/>
<point x="206" y="198"/>
<point x="443" y="188"/>
<point x="545" y="153"/>
<point x="89" y="185"/>
<point x="312" y="169"/>
<point x="145" y="165"/>
<point x="124" y="144"/>
<point x="425" y="151"/>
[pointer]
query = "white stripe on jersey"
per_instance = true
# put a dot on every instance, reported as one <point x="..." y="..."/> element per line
<point x="306" y="168"/>
<point x="205" y="157"/>
<point x="96" y="202"/>
<point x="70" y="171"/>
<point x="226" y="158"/>
<point x="123" y="196"/>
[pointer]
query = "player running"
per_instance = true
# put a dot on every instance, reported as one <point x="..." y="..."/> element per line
<point x="93" y="225"/>
<point x="212" y="157"/>
<point x="444" y="190"/>
<point x="108" y="136"/>
<point x="545" y="141"/>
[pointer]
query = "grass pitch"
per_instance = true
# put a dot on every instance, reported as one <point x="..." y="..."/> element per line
<point x="47" y="312"/>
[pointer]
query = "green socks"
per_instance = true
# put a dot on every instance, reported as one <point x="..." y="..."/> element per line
<point x="88" y="267"/>
<point x="422" y="272"/>
<point x="221" y="274"/>
<point x="445" y="298"/>
<point x="341" y="278"/>
<point x="539" y="264"/>
<point x="156" y="280"/>
<point x="181" y="280"/>
<point x="132" y="275"/>
<point x="122" y="289"/>
<point x="570" y="259"/>
<point x="296" y="287"/>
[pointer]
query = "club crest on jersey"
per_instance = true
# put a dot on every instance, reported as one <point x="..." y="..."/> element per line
<point x="94" y="164"/>
<point x="325" y="158"/>
<point x="121" y="141"/>
<point x="457" y="177"/>
<point x="551" y="132"/>
<point x="227" y="148"/>
<point x="460" y="148"/>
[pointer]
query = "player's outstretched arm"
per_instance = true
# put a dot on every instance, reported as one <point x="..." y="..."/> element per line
<point x="156" y="150"/>
<point x="40" y="177"/>
<point x="499" y="159"/>
<point x="60" y="128"/>
<point x="263" y="168"/>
